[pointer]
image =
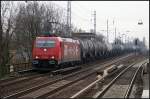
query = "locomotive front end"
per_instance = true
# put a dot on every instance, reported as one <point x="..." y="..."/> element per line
<point x="45" y="53"/>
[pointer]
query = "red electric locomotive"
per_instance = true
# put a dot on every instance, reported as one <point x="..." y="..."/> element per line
<point x="52" y="52"/>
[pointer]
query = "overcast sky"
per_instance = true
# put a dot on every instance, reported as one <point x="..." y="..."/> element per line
<point x="125" y="14"/>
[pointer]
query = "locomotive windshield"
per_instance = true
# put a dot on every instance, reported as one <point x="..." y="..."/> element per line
<point x="45" y="43"/>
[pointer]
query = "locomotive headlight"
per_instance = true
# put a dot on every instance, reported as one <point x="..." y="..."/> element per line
<point x="45" y="49"/>
<point x="52" y="57"/>
<point x="36" y="57"/>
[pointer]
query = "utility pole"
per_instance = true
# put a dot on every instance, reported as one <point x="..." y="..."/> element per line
<point x="95" y="22"/>
<point x="69" y="18"/>
<point x="144" y="41"/>
<point x="125" y="38"/>
<point x="107" y="32"/>
<point x="119" y="36"/>
<point x="128" y="39"/>
<point x="115" y="28"/>
<point x="115" y="33"/>
<point x="94" y="19"/>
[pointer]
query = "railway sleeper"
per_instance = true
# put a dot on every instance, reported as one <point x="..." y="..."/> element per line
<point x="109" y="70"/>
<point x="65" y="70"/>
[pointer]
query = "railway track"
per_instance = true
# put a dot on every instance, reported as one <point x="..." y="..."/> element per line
<point x="28" y="74"/>
<point x="32" y="76"/>
<point x="20" y="79"/>
<point x="52" y="86"/>
<point x="69" y="91"/>
<point x="122" y="91"/>
<point x="19" y="75"/>
<point x="112" y="87"/>
<point x="19" y="84"/>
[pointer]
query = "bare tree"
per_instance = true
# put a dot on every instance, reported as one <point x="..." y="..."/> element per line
<point x="21" y="24"/>
<point x="7" y="29"/>
<point x="33" y="19"/>
<point x="28" y="25"/>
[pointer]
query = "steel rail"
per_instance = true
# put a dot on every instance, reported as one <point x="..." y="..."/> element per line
<point x="101" y="93"/>
<point x="66" y="85"/>
<point x="14" y="78"/>
<point x="127" y="94"/>
<point x="88" y="87"/>
<point x="52" y="82"/>
<point x="19" y="80"/>
<point x="11" y="80"/>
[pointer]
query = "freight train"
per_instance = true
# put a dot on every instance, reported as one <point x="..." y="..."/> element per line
<point x="54" y="52"/>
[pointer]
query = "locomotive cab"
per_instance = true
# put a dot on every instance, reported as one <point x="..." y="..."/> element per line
<point x="46" y="52"/>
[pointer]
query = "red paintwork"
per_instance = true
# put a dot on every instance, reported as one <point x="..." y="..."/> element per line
<point x="70" y="50"/>
<point x="65" y="50"/>
<point x="43" y="55"/>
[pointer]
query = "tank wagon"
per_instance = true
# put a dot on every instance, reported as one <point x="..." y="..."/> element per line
<point x="53" y="52"/>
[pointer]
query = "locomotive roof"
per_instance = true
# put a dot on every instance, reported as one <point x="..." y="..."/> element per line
<point x="69" y="40"/>
<point x="46" y="38"/>
<point x="60" y="39"/>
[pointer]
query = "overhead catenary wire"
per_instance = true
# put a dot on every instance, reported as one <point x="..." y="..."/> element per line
<point x="79" y="16"/>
